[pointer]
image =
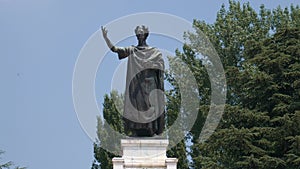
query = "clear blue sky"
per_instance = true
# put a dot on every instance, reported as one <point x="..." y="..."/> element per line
<point x="39" y="44"/>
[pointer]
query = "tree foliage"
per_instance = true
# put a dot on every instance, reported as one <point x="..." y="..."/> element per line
<point x="8" y="165"/>
<point x="112" y="116"/>
<point x="260" y="54"/>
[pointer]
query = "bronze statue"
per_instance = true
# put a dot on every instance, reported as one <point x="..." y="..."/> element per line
<point x="144" y="114"/>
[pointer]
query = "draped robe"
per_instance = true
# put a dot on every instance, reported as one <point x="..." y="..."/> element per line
<point x="144" y="99"/>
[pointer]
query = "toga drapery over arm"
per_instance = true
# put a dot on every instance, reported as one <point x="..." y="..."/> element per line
<point x="123" y="52"/>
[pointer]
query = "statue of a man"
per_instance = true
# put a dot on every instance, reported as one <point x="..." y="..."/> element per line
<point x="144" y="114"/>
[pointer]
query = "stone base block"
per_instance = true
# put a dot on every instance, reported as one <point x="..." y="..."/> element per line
<point x="143" y="154"/>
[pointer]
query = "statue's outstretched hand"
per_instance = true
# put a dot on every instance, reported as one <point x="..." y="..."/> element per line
<point x="104" y="32"/>
<point x="108" y="42"/>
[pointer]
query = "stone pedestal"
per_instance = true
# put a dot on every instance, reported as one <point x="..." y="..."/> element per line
<point x="143" y="154"/>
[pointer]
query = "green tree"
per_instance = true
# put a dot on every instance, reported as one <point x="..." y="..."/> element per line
<point x="262" y="79"/>
<point x="9" y="164"/>
<point x="279" y="60"/>
<point x="173" y="111"/>
<point x="111" y="113"/>
<point x="260" y="126"/>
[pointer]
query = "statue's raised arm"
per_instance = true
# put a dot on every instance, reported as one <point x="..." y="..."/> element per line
<point x="108" y="42"/>
<point x="122" y="52"/>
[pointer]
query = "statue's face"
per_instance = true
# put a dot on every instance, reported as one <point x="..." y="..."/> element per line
<point x="140" y="34"/>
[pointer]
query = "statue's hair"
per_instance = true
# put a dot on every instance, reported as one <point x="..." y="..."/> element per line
<point x="145" y="29"/>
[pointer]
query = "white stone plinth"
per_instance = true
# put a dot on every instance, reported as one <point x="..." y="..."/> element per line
<point x="143" y="154"/>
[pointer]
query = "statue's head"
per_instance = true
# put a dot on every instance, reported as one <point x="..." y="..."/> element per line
<point x="141" y="32"/>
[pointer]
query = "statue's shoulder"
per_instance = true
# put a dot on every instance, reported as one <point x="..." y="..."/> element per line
<point x="146" y="47"/>
<point x="149" y="49"/>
